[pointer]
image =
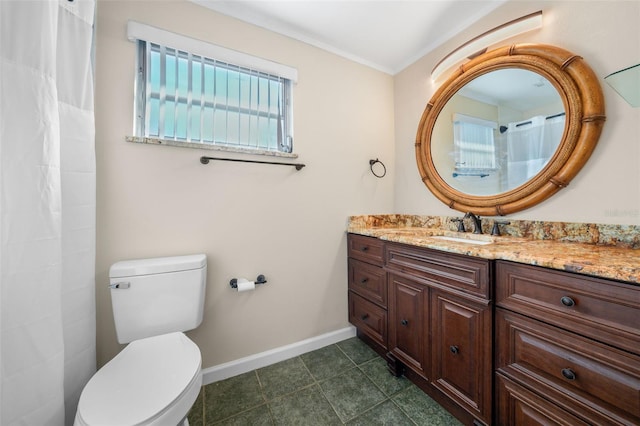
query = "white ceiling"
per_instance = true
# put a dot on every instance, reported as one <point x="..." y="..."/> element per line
<point x="518" y="89"/>
<point x="387" y="35"/>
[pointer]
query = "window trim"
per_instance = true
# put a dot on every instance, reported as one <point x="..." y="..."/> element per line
<point x="137" y="31"/>
<point x="211" y="147"/>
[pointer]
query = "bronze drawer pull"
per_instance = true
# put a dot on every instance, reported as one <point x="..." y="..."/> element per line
<point x="364" y="317"/>
<point x="568" y="374"/>
<point x="567" y="301"/>
<point x="454" y="349"/>
<point x="364" y="248"/>
<point x="364" y="280"/>
<point x="404" y="322"/>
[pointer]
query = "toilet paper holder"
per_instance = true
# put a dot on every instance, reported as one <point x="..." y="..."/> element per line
<point x="259" y="280"/>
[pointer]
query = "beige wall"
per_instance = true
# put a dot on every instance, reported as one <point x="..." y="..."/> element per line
<point x="288" y="225"/>
<point x="607" y="190"/>
<point x="248" y="219"/>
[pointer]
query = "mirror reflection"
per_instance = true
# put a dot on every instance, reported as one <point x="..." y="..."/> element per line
<point x="497" y="132"/>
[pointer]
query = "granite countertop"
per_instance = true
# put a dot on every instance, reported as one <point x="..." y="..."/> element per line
<point x="618" y="262"/>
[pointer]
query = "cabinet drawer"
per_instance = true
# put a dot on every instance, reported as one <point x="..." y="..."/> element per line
<point x="601" y="309"/>
<point x="517" y="406"/>
<point x="367" y="249"/>
<point x="467" y="274"/>
<point x="368" y="281"/>
<point x="570" y="368"/>
<point x="369" y="318"/>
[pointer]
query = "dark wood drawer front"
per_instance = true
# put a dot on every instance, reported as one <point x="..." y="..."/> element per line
<point x="518" y="406"/>
<point x="367" y="249"/>
<point x="468" y="274"/>
<point x="368" y="281"/>
<point x="581" y="369"/>
<point x="601" y="309"/>
<point x="368" y="318"/>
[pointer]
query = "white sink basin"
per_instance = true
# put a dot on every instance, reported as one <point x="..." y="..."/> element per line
<point x="462" y="240"/>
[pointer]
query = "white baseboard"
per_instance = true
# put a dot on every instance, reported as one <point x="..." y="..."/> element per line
<point x="263" y="359"/>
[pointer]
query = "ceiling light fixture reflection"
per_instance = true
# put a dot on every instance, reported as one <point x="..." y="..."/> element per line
<point x="478" y="45"/>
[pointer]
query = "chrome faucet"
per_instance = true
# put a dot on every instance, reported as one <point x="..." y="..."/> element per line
<point x="477" y="223"/>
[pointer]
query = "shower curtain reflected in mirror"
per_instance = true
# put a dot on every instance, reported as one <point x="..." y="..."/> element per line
<point x="530" y="146"/>
<point x="47" y="209"/>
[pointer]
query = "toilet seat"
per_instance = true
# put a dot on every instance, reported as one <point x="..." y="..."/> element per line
<point x="151" y="381"/>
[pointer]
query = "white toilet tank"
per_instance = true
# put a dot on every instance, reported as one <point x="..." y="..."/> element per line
<point x="157" y="296"/>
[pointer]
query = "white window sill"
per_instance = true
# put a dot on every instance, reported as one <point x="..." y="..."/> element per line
<point x="211" y="147"/>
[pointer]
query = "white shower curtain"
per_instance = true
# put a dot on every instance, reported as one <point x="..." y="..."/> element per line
<point x="553" y="131"/>
<point x="530" y="146"/>
<point x="524" y="149"/>
<point x="47" y="209"/>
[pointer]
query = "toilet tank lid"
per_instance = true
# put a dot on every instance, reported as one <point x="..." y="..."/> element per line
<point x="157" y="265"/>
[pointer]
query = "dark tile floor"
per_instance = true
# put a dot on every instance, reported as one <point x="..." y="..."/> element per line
<point x="346" y="383"/>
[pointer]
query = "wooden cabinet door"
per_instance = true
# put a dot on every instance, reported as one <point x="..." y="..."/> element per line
<point x="408" y="322"/>
<point x="461" y="333"/>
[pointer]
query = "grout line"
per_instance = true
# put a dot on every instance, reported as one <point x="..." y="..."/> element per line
<point x="367" y="410"/>
<point x="262" y="395"/>
<point x="272" y="416"/>
<point x="400" y="408"/>
<point x="258" y="379"/>
<point x="356" y="366"/>
<point x="345" y="354"/>
<point x="388" y="397"/>
<point x="239" y="413"/>
<point x="315" y="382"/>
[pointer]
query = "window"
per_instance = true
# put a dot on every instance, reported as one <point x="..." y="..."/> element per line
<point x="474" y="145"/>
<point x="204" y="94"/>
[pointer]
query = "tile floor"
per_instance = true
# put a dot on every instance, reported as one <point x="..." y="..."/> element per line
<point x="346" y="383"/>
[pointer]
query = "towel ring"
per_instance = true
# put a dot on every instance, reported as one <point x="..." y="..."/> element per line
<point x="384" y="169"/>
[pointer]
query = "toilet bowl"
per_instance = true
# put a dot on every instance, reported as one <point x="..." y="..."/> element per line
<point x="156" y="378"/>
<point x="153" y="381"/>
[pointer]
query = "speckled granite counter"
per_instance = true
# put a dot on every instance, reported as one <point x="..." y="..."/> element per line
<point x="607" y="251"/>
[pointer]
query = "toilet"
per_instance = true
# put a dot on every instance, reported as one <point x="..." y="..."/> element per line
<point x="156" y="378"/>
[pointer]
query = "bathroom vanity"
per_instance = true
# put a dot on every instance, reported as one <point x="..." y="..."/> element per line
<point x="493" y="336"/>
<point x="541" y="326"/>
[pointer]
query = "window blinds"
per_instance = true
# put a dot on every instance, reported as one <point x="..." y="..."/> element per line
<point x="474" y="143"/>
<point x="187" y="96"/>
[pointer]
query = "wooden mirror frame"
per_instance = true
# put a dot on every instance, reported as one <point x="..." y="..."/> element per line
<point x="583" y="101"/>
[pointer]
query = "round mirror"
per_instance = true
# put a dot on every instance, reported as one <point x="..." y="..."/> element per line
<point x="509" y="129"/>
<point x="497" y="132"/>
